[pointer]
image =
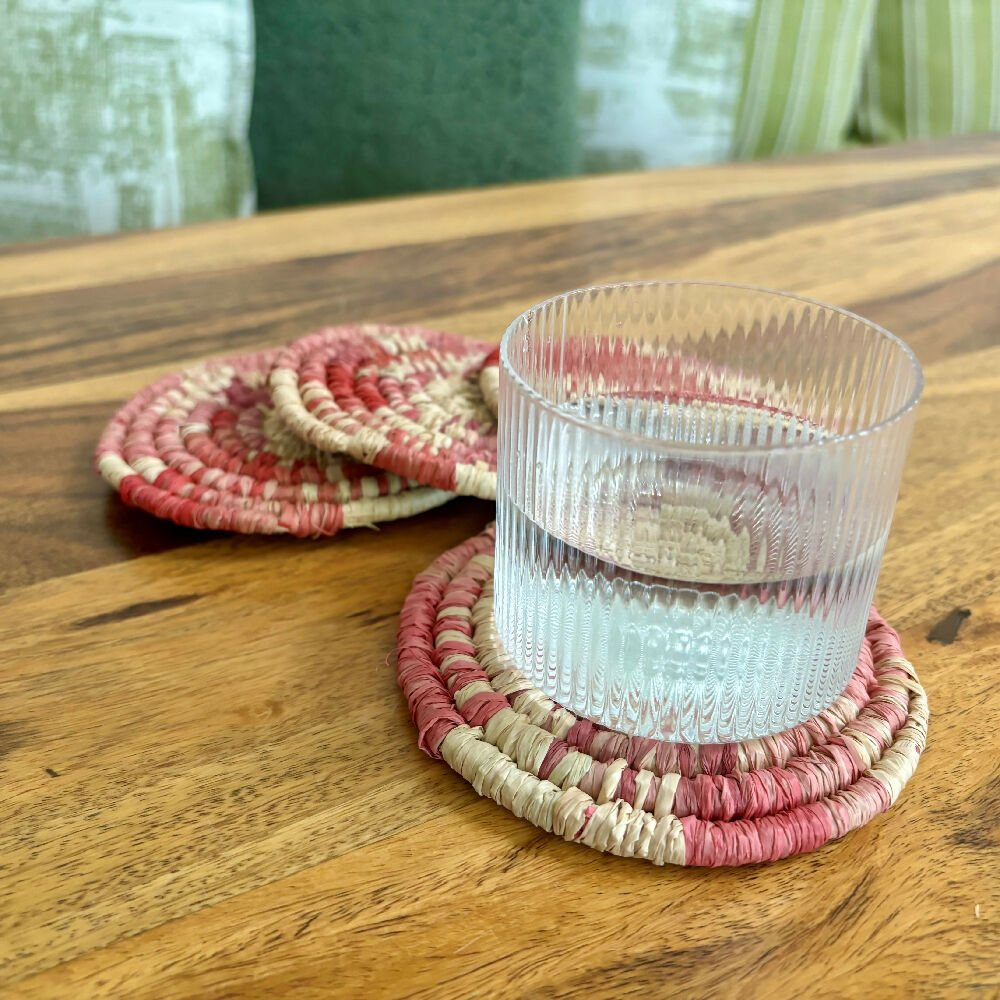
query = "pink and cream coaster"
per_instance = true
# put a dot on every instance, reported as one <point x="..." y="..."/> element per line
<point x="403" y="399"/>
<point x="669" y="803"/>
<point x="205" y="448"/>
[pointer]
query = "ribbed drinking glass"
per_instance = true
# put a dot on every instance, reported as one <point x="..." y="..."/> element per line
<point x="695" y="486"/>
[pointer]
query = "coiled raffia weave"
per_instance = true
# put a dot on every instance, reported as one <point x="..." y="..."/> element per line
<point x="204" y="448"/>
<point x="489" y="379"/>
<point x="668" y="803"/>
<point x="400" y="398"/>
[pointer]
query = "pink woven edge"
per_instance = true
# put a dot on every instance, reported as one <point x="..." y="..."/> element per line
<point x="274" y="509"/>
<point x="319" y="392"/>
<point x="763" y="835"/>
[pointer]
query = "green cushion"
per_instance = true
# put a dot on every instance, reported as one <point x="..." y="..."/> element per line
<point x="367" y="97"/>
<point x="117" y="114"/>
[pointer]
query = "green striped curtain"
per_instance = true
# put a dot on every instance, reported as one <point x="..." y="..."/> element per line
<point x="820" y="72"/>
<point x="801" y="75"/>
<point x="933" y="69"/>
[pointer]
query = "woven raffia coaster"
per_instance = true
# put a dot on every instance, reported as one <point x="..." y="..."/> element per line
<point x="670" y="803"/>
<point x="401" y="398"/>
<point x="204" y="448"/>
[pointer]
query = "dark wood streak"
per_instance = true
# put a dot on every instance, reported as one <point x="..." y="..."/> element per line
<point x="943" y="318"/>
<point x="137" y="610"/>
<point x="857" y="897"/>
<point x="14" y="734"/>
<point x="59" y="516"/>
<point x="980" y="828"/>
<point x="946" y="630"/>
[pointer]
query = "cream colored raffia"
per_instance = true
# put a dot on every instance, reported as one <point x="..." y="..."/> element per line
<point x="489" y="380"/>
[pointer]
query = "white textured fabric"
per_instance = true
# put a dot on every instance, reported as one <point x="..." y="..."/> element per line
<point x="121" y="114"/>
<point x="659" y="81"/>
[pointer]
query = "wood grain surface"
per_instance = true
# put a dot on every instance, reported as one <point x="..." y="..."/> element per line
<point x="210" y="784"/>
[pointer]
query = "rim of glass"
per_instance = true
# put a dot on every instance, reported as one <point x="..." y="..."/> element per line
<point x="732" y="449"/>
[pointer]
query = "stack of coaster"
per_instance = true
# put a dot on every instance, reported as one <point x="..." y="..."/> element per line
<point x="347" y="427"/>
<point x="668" y="803"/>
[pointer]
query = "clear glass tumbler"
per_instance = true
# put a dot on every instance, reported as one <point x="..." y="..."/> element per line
<point x="695" y="486"/>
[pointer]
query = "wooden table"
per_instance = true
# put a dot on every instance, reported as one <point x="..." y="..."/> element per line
<point x="210" y="784"/>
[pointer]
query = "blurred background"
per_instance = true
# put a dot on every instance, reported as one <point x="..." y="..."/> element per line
<point x="125" y="114"/>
